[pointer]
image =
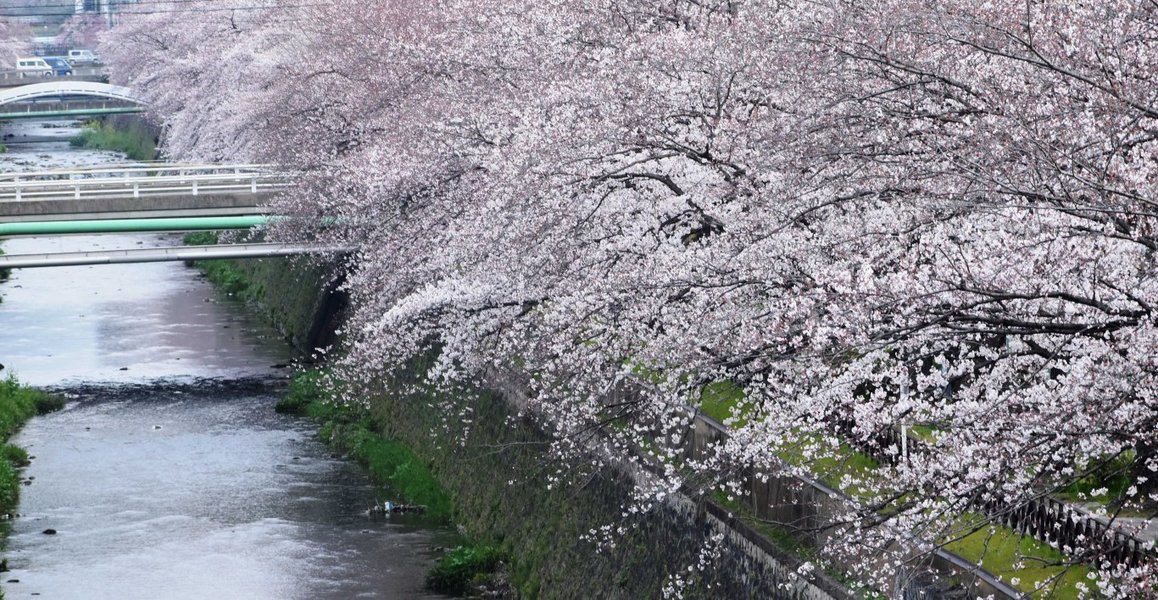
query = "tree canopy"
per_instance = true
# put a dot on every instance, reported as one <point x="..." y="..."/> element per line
<point x="859" y="214"/>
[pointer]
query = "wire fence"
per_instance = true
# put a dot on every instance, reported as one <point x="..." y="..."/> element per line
<point x="1079" y="534"/>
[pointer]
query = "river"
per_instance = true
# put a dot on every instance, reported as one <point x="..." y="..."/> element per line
<point x="168" y="475"/>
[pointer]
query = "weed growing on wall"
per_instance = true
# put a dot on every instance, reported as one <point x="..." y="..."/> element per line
<point x="352" y="430"/>
<point x="222" y="273"/>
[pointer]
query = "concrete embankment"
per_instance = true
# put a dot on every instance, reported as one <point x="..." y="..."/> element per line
<point x="299" y="297"/>
<point x="496" y="467"/>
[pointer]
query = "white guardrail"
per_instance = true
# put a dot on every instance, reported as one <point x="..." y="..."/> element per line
<point x="141" y="180"/>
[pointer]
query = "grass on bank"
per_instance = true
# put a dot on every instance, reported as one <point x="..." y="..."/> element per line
<point x="222" y="273"/>
<point x="1021" y="561"/>
<point x="351" y="430"/>
<point x="1105" y="484"/>
<point x="18" y="403"/>
<point x="136" y="142"/>
<point x="464" y="568"/>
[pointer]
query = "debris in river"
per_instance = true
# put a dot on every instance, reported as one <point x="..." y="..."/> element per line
<point x="390" y="507"/>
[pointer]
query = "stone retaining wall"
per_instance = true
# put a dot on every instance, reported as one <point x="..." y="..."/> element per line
<point x="298" y="296"/>
<point x="497" y="467"/>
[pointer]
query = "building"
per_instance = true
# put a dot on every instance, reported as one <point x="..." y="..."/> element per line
<point x="105" y="8"/>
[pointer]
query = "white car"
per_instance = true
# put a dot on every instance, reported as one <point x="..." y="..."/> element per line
<point x="82" y="57"/>
<point x="34" y="66"/>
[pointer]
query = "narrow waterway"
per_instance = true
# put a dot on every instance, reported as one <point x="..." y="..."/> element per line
<point x="168" y="475"/>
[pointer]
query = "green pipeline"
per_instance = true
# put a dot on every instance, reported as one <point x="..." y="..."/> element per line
<point x="131" y="225"/>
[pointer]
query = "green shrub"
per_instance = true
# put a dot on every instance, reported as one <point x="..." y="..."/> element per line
<point x="225" y="275"/>
<point x="17" y="405"/>
<point x="15" y="455"/>
<point x="9" y="487"/>
<point x="463" y="567"/>
<point x="222" y="273"/>
<point x="136" y="142"/>
<point x="307" y="395"/>
<point x="200" y="238"/>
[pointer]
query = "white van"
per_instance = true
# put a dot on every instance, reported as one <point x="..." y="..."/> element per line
<point x="34" y="66"/>
<point x="82" y="57"/>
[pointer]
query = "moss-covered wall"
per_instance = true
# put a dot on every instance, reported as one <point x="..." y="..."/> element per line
<point x="296" y="295"/>
<point x="496" y="467"/>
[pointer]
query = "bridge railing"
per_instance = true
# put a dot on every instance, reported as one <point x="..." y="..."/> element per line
<point x="39" y="108"/>
<point x="10" y="80"/>
<point x="61" y="88"/>
<point x="141" y="180"/>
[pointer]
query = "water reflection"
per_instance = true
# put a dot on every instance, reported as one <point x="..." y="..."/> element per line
<point x="87" y="323"/>
<point x="199" y="491"/>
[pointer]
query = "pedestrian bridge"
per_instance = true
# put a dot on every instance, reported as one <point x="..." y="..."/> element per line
<point x="143" y="197"/>
<point x="67" y="99"/>
<point x="173" y="253"/>
<point x="135" y="191"/>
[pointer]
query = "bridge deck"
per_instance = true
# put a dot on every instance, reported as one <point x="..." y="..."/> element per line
<point x="139" y="190"/>
<point x="180" y="205"/>
<point x="138" y="255"/>
<point x="66" y="97"/>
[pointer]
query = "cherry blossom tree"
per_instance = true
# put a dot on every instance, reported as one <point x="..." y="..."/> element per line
<point x="860" y="215"/>
<point x="81" y="30"/>
<point x="15" y="41"/>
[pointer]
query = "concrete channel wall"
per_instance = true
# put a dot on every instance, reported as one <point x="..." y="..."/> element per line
<point x="298" y="296"/>
<point x="496" y="464"/>
<point x="808" y="506"/>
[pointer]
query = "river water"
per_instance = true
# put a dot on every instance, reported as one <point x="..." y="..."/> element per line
<point x="168" y="475"/>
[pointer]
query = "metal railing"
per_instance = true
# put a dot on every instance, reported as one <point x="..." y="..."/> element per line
<point x="141" y="180"/>
<point x="10" y="79"/>
<point x="27" y="110"/>
<point x="1042" y="518"/>
<point x="174" y="253"/>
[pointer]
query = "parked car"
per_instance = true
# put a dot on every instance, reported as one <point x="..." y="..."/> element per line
<point x="60" y="66"/>
<point x="82" y="57"/>
<point x="34" y="66"/>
